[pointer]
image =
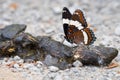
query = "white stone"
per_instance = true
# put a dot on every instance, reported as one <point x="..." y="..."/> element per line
<point x="16" y="65"/>
<point x="77" y="63"/>
<point x="53" y="68"/>
<point x="17" y="58"/>
<point x="117" y="30"/>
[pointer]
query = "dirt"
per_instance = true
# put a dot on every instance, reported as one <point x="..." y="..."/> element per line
<point x="7" y="74"/>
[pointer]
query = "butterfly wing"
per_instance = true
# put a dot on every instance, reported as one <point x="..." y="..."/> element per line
<point x="66" y="16"/>
<point x="79" y="16"/>
<point x="77" y="36"/>
<point x="75" y="28"/>
<point x="83" y="34"/>
<point x="89" y="36"/>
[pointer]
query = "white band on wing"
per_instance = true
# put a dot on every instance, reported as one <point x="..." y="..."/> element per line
<point x="85" y="37"/>
<point x="66" y="21"/>
<point x="76" y="24"/>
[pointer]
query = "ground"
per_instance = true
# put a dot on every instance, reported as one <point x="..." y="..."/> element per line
<point x="43" y="17"/>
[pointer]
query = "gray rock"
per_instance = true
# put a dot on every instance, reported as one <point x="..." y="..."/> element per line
<point x="95" y="55"/>
<point x="49" y="60"/>
<point x="11" y="30"/>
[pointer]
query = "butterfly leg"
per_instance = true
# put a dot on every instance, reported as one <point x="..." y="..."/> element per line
<point x="62" y="38"/>
<point x="63" y="41"/>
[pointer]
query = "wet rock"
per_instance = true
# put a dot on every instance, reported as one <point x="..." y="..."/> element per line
<point x="12" y="30"/>
<point x="51" y="52"/>
<point x="49" y="60"/>
<point x="54" y="48"/>
<point x="61" y="63"/>
<point x="25" y="40"/>
<point x="60" y="55"/>
<point x="95" y="55"/>
<point x="7" y="48"/>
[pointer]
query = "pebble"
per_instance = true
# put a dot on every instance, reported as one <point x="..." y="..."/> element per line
<point x="16" y="58"/>
<point x="39" y="64"/>
<point x="57" y="10"/>
<point x="28" y="66"/>
<point x="49" y="60"/>
<point x="59" y="77"/>
<point x="53" y="68"/>
<point x="117" y="30"/>
<point x="77" y="63"/>
<point x="16" y="66"/>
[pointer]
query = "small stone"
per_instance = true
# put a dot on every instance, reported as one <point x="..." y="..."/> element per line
<point x="27" y="66"/>
<point x="57" y="10"/>
<point x="11" y="30"/>
<point x="58" y="77"/>
<point x="117" y="30"/>
<point x="53" y="68"/>
<point x="77" y="63"/>
<point x="39" y="64"/>
<point x="17" y="58"/>
<point x="5" y="59"/>
<point x="21" y="61"/>
<point x="49" y="60"/>
<point x="34" y="69"/>
<point x="48" y="31"/>
<point x="16" y="66"/>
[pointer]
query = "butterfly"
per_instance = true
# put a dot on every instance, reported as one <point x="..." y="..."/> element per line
<point x="76" y="28"/>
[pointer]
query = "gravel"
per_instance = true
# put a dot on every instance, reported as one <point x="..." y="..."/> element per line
<point x="53" y="68"/>
<point x="44" y="18"/>
<point x="77" y="63"/>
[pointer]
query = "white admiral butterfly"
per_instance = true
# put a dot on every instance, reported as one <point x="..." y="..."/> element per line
<point x="75" y="28"/>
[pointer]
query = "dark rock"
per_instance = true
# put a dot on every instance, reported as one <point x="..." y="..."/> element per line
<point x="97" y="55"/>
<point x="50" y="60"/>
<point x="52" y="53"/>
<point x="7" y="48"/>
<point x="54" y="48"/>
<point x="11" y="31"/>
<point x="61" y="63"/>
<point x="56" y="51"/>
<point x="25" y="40"/>
<point x="27" y="46"/>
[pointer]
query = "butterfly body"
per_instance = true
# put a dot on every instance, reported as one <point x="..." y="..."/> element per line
<point x="75" y="28"/>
